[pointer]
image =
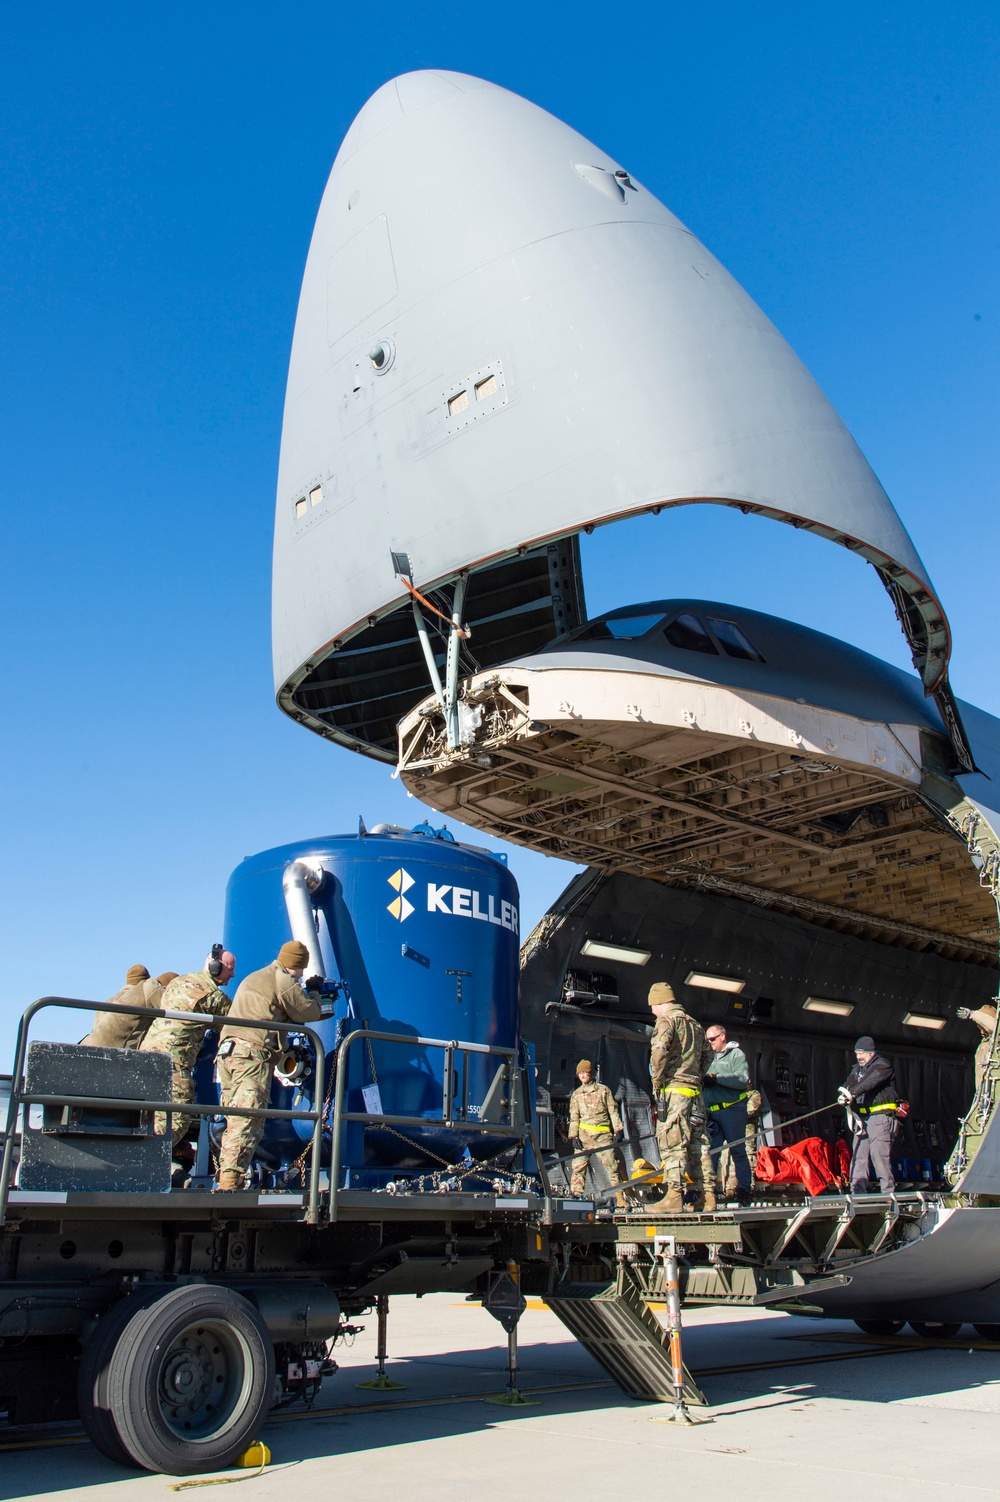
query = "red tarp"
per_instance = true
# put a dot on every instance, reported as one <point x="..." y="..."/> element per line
<point x="813" y="1162"/>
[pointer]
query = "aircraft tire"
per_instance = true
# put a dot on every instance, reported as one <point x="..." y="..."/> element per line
<point x="880" y="1326"/>
<point x="92" y="1381"/>
<point x="190" y="1380"/>
<point x="988" y="1332"/>
<point x="930" y="1329"/>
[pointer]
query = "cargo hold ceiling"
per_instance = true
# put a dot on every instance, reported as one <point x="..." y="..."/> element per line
<point x="358" y="693"/>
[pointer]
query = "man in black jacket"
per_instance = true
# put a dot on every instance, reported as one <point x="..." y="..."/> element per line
<point x="869" y="1093"/>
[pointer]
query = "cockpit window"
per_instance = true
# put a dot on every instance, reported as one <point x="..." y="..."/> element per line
<point x="621" y="628"/>
<point x="687" y="631"/>
<point x="735" y="642"/>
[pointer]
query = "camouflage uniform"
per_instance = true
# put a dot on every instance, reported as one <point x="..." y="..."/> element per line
<point x="246" y="1071"/>
<point x="593" y="1116"/>
<point x="119" y="1030"/>
<point x="181" y="1041"/>
<point x="985" y="1019"/>
<point x="679" y="1059"/>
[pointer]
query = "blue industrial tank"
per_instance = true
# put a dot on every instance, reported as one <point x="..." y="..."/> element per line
<point x="423" y="933"/>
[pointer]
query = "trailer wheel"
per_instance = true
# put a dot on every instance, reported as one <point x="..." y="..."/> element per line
<point x="988" y="1332"/>
<point x="880" y="1326"/>
<point x="931" y="1329"/>
<point x="92" y="1382"/>
<point x="190" y="1380"/>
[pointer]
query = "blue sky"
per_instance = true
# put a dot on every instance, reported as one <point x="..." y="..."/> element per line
<point x="160" y="168"/>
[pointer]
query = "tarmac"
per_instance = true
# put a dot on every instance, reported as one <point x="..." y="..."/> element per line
<point x="798" y="1407"/>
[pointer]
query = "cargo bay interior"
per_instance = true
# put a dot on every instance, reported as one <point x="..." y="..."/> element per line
<point x="760" y="806"/>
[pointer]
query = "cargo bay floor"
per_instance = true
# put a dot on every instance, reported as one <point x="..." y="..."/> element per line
<point x="798" y="1405"/>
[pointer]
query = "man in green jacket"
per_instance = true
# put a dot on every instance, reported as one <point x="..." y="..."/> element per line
<point x="727" y="1090"/>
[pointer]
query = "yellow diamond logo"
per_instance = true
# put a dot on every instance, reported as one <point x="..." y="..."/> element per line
<point x="400" y="907"/>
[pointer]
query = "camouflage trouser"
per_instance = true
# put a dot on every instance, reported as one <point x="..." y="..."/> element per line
<point x="245" y="1077"/>
<point x="181" y="1089"/>
<point x="683" y="1142"/>
<point x="606" y="1153"/>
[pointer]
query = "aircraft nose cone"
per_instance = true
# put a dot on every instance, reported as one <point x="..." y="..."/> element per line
<point x="563" y="352"/>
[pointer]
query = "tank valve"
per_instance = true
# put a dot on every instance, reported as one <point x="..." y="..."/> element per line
<point x="295" y="1063"/>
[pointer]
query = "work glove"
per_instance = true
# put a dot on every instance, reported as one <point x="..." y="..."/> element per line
<point x="619" y="1135"/>
<point x="315" y="983"/>
<point x="844" y="1096"/>
<point x="576" y="1144"/>
<point x="963" y="1014"/>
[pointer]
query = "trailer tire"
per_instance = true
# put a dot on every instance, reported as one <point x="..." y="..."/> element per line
<point x="92" y="1380"/>
<point x="190" y="1380"/>
<point x="880" y="1326"/>
<point x="934" y="1329"/>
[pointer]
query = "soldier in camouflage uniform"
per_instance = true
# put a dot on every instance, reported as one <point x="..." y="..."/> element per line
<point x="985" y="1018"/>
<point x="594" y="1122"/>
<point x="247" y="1055"/>
<point x="679" y="1060"/>
<point x="123" y="1029"/>
<point x="198" y="993"/>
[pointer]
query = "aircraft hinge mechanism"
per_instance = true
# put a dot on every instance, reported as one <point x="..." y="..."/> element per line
<point x="460" y="728"/>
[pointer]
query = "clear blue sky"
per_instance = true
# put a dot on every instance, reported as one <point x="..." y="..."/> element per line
<point x="161" y="167"/>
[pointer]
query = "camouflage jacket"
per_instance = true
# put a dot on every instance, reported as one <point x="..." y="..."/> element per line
<point x="593" y="1106"/>
<point x="121" y="1029"/>
<point x="678" y="1052"/>
<point x="268" y="993"/>
<point x="195" y="993"/>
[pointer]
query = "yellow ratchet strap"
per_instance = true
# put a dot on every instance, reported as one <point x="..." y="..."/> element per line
<point x="722" y="1104"/>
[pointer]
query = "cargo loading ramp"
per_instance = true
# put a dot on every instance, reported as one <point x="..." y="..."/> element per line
<point x="613" y="1321"/>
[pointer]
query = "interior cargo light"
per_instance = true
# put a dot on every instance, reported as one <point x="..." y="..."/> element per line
<point x="715" y="982"/>
<point x="923" y="1019"/>
<point x="831" y="1008"/>
<point x="596" y="949"/>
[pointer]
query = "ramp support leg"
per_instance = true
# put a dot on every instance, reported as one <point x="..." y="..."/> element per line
<point x="380" y="1382"/>
<point x="666" y="1247"/>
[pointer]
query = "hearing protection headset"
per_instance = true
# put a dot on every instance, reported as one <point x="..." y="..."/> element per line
<point x="215" y="961"/>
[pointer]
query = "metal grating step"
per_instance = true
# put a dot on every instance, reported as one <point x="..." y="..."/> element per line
<point x="613" y="1322"/>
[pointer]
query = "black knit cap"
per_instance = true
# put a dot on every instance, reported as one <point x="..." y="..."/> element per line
<point x="865" y="1045"/>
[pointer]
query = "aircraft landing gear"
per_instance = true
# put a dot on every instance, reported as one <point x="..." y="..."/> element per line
<point x="931" y="1329"/>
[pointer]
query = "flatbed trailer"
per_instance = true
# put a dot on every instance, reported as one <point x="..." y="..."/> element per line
<point x="173" y="1322"/>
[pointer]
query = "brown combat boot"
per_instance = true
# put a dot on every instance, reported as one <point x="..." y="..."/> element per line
<point x="228" y="1180"/>
<point x="672" y="1203"/>
<point x="706" y="1202"/>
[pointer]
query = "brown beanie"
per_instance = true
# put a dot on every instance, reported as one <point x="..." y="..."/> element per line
<point x="585" y="1064"/>
<point x="293" y="955"/>
<point x="661" y="992"/>
<point x="167" y="977"/>
<point x="135" y="974"/>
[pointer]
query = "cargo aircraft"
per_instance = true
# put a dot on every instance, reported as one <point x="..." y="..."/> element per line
<point x="504" y="340"/>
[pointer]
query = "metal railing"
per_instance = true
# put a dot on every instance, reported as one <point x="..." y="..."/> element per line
<point x="521" y="1131"/>
<point x="19" y="1095"/>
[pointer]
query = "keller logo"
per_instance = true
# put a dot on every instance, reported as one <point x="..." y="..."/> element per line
<point x="400" y="907"/>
